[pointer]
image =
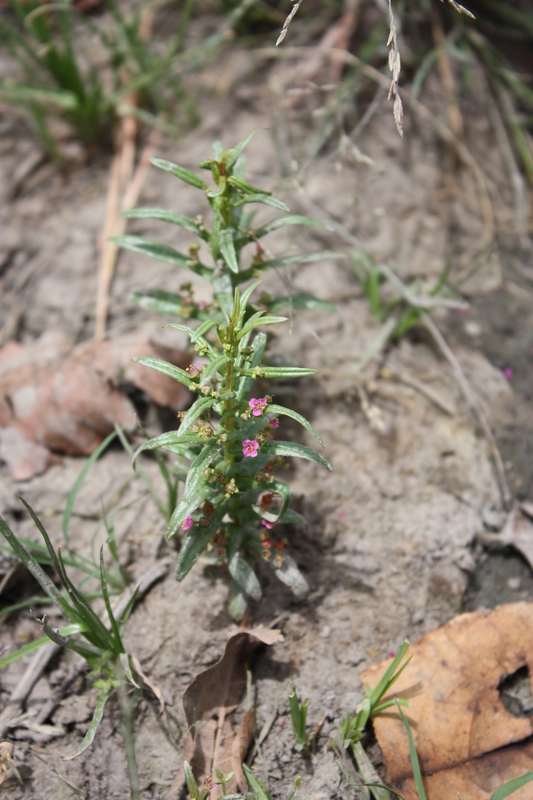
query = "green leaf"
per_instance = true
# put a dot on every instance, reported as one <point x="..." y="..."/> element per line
<point x="241" y="572"/>
<point x="165" y="368"/>
<point x="391" y="675"/>
<point x="265" y="199"/>
<point x="290" y="575"/>
<point x="279" y="372"/>
<point x="93" y="727"/>
<point x="223" y="290"/>
<point x="227" y="248"/>
<point x="236" y="601"/>
<point x="252" y="780"/>
<point x="112" y="621"/>
<point x="192" y="786"/>
<point x="149" y="247"/>
<point x="199" y="407"/>
<point x="196" y="542"/>
<point x="415" y="765"/>
<point x="212" y="368"/>
<point x="159" y="300"/>
<point x="71" y="499"/>
<point x="511" y="786"/>
<point x="296" y="450"/>
<point x="293" y="219"/>
<point x="257" y="320"/>
<point x="162" y="441"/>
<point x="291" y="517"/>
<point x="37" y="644"/>
<point x="165" y="215"/>
<point x="246" y="296"/>
<point x="300" y="258"/>
<point x="186" y="506"/>
<point x="233" y="155"/>
<point x="193" y="335"/>
<point x="38" y="573"/>
<point x="180" y="172"/>
<point x="208" y="453"/>
<point x="285" y="493"/>
<point x="274" y="410"/>
<point x="301" y="302"/>
<point x="201" y="329"/>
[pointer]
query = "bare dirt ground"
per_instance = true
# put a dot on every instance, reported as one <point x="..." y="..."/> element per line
<point x="392" y="540"/>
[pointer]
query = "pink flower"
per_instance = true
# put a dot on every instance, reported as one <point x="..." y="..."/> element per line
<point x="250" y="448"/>
<point x="202" y="305"/>
<point x="188" y="523"/>
<point x="193" y="370"/>
<point x="508" y="373"/>
<point x="274" y="422"/>
<point x="258" y="404"/>
<point x="267" y="524"/>
<point x="341" y="515"/>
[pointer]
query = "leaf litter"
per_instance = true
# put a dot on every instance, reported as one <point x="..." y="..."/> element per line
<point x="208" y="702"/>
<point x="466" y="739"/>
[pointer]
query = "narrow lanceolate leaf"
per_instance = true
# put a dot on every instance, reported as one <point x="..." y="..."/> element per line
<point x="38" y="573"/>
<point x="290" y="575"/>
<point x="257" y="321"/>
<point x="196" y="542"/>
<point x="165" y="215"/>
<point x="158" y="300"/>
<point x="301" y="258"/>
<point x="293" y="219"/>
<point x="258" y="348"/>
<point x="415" y="765"/>
<point x="285" y="493"/>
<point x="180" y="172"/>
<point x="186" y="506"/>
<point x="93" y="727"/>
<point x="279" y="372"/>
<point x="208" y="453"/>
<point x="296" y="450"/>
<point x="235" y="152"/>
<point x="165" y="368"/>
<point x="512" y="786"/>
<point x="198" y="408"/>
<point x="227" y="248"/>
<point x="162" y="252"/>
<point x="302" y="302"/>
<point x="265" y="199"/>
<point x="163" y="441"/>
<point x="202" y="329"/>
<point x="36" y="645"/>
<point x="215" y="366"/>
<point x="223" y="292"/>
<point x="193" y="336"/>
<point x="243" y="305"/>
<point x="243" y="574"/>
<point x="274" y="411"/>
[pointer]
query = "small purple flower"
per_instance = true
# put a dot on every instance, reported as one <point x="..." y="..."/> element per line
<point x="250" y="448"/>
<point x="508" y="373"/>
<point x="188" y="523"/>
<point x="274" y="422"/>
<point x="202" y="305"/>
<point x="267" y="524"/>
<point x="258" y="404"/>
<point x="341" y="515"/>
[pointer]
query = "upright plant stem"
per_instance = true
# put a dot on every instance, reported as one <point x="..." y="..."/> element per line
<point x="126" y="729"/>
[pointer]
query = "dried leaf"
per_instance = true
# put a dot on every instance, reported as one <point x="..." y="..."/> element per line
<point x="57" y="399"/>
<point x="465" y="738"/>
<point x="208" y="701"/>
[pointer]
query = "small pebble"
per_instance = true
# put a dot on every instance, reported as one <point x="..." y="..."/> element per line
<point x="514" y="583"/>
<point x="325" y="632"/>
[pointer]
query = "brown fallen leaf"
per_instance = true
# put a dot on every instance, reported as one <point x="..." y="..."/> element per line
<point x="466" y="740"/>
<point x="208" y="701"/>
<point x="55" y="399"/>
